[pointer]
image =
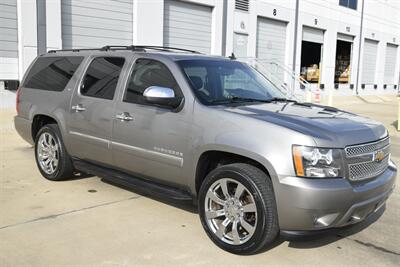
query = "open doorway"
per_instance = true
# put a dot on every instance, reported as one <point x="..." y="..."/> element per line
<point x="343" y="59"/>
<point x="310" y="61"/>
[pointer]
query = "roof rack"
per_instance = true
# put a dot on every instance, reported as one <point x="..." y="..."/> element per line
<point x="128" y="47"/>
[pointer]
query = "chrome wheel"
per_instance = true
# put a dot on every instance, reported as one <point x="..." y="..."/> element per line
<point x="230" y="211"/>
<point x="48" y="153"/>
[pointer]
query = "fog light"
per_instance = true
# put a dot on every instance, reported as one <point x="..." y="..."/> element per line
<point x="326" y="220"/>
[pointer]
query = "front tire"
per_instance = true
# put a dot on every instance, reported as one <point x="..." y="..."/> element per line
<point x="52" y="159"/>
<point x="237" y="208"/>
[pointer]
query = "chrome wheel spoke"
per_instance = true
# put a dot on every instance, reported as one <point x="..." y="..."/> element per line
<point x="45" y="140"/>
<point x="212" y="214"/>
<point x="251" y="207"/>
<point x="239" y="190"/>
<point x="222" y="228"/>
<point x="51" y="166"/>
<point x="235" y="233"/>
<point x="50" y="141"/>
<point x="213" y="196"/>
<point x="54" y="147"/>
<point x="248" y="227"/>
<point x="224" y="188"/>
<point x="47" y="161"/>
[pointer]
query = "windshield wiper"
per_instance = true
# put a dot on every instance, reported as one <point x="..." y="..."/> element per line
<point x="237" y="99"/>
<point x="281" y="99"/>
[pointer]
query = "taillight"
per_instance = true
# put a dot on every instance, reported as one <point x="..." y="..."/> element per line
<point x="17" y="100"/>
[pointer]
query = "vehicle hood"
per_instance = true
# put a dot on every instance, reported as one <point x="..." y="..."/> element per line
<point x="330" y="127"/>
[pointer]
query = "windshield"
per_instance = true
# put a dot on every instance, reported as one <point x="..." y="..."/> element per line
<point x="222" y="81"/>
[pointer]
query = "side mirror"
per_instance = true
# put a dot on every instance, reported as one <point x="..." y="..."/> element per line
<point x="162" y="96"/>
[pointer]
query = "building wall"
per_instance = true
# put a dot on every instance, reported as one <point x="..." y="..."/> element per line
<point x="381" y="23"/>
<point x="8" y="39"/>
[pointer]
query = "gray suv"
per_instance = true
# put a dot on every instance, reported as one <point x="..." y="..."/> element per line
<point x="212" y="130"/>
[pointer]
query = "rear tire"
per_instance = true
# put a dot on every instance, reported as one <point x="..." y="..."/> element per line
<point x="242" y="218"/>
<point x="52" y="158"/>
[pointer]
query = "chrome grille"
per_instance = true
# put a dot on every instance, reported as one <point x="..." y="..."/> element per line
<point x="366" y="148"/>
<point x="367" y="170"/>
<point x="362" y="159"/>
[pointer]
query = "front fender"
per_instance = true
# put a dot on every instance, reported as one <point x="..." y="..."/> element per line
<point x="266" y="143"/>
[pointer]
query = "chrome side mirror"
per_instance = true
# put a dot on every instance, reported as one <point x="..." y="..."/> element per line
<point x="162" y="96"/>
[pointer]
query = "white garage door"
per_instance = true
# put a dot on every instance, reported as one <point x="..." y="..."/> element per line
<point x="187" y="26"/>
<point x="271" y="40"/>
<point x="271" y="44"/>
<point x="313" y="35"/>
<point x="390" y="63"/>
<point x="369" y="61"/>
<point x="94" y="23"/>
<point x="8" y="40"/>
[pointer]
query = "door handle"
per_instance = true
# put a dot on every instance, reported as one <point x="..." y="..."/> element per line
<point x="78" y="108"/>
<point x="124" y="116"/>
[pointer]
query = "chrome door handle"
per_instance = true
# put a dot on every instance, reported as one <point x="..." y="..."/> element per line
<point x="124" y="116"/>
<point x="78" y="108"/>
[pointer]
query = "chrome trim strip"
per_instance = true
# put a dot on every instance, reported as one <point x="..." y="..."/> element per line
<point x="371" y="143"/>
<point x="90" y="137"/>
<point x="151" y="155"/>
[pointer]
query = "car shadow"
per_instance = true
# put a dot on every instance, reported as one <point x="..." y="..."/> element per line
<point x="78" y="176"/>
<point x="307" y="240"/>
<point x="395" y="124"/>
<point x="320" y="239"/>
<point x="188" y="206"/>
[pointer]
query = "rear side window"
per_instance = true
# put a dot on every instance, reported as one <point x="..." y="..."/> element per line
<point x="102" y="76"/>
<point x="146" y="73"/>
<point x="52" y="73"/>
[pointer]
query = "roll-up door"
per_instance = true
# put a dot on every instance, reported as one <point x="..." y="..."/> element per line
<point x="345" y="37"/>
<point x="313" y="35"/>
<point x="271" y="43"/>
<point x="94" y="23"/>
<point x="271" y="40"/>
<point x="390" y="63"/>
<point x="369" y="61"/>
<point x="8" y="40"/>
<point x="187" y="25"/>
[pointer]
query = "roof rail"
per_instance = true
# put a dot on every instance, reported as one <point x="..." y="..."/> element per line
<point x="167" y="48"/>
<point x="128" y="47"/>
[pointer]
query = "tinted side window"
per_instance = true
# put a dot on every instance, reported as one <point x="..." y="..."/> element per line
<point x="146" y="73"/>
<point x="52" y="73"/>
<point x="102" y="76"/>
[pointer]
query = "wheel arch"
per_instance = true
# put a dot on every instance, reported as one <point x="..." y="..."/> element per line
<point x="40" y="120"/>
<point x="209" y="159"/>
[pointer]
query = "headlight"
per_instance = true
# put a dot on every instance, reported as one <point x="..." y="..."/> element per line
<point x="317" y="162"/>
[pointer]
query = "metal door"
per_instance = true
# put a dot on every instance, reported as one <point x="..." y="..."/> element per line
<point x="92" y="110"/>
<point x="369" y="61"/>
<point x="187" y="25"/>
<point x="96" y="23"/>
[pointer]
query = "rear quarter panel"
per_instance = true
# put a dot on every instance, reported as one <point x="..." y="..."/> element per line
<point x="54" y="104"/>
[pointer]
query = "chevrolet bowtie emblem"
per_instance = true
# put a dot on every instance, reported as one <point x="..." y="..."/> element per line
<point x="379" y="155"/>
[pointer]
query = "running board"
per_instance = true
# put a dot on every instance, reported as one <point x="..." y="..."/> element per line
<point x="139" y="185"/>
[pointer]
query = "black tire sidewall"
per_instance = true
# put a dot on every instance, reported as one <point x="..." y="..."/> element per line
<point x="263" y="210"/>
<point x="61" y="170"/>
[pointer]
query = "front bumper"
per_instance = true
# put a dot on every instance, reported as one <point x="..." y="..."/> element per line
<point x="315" y="204"/>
